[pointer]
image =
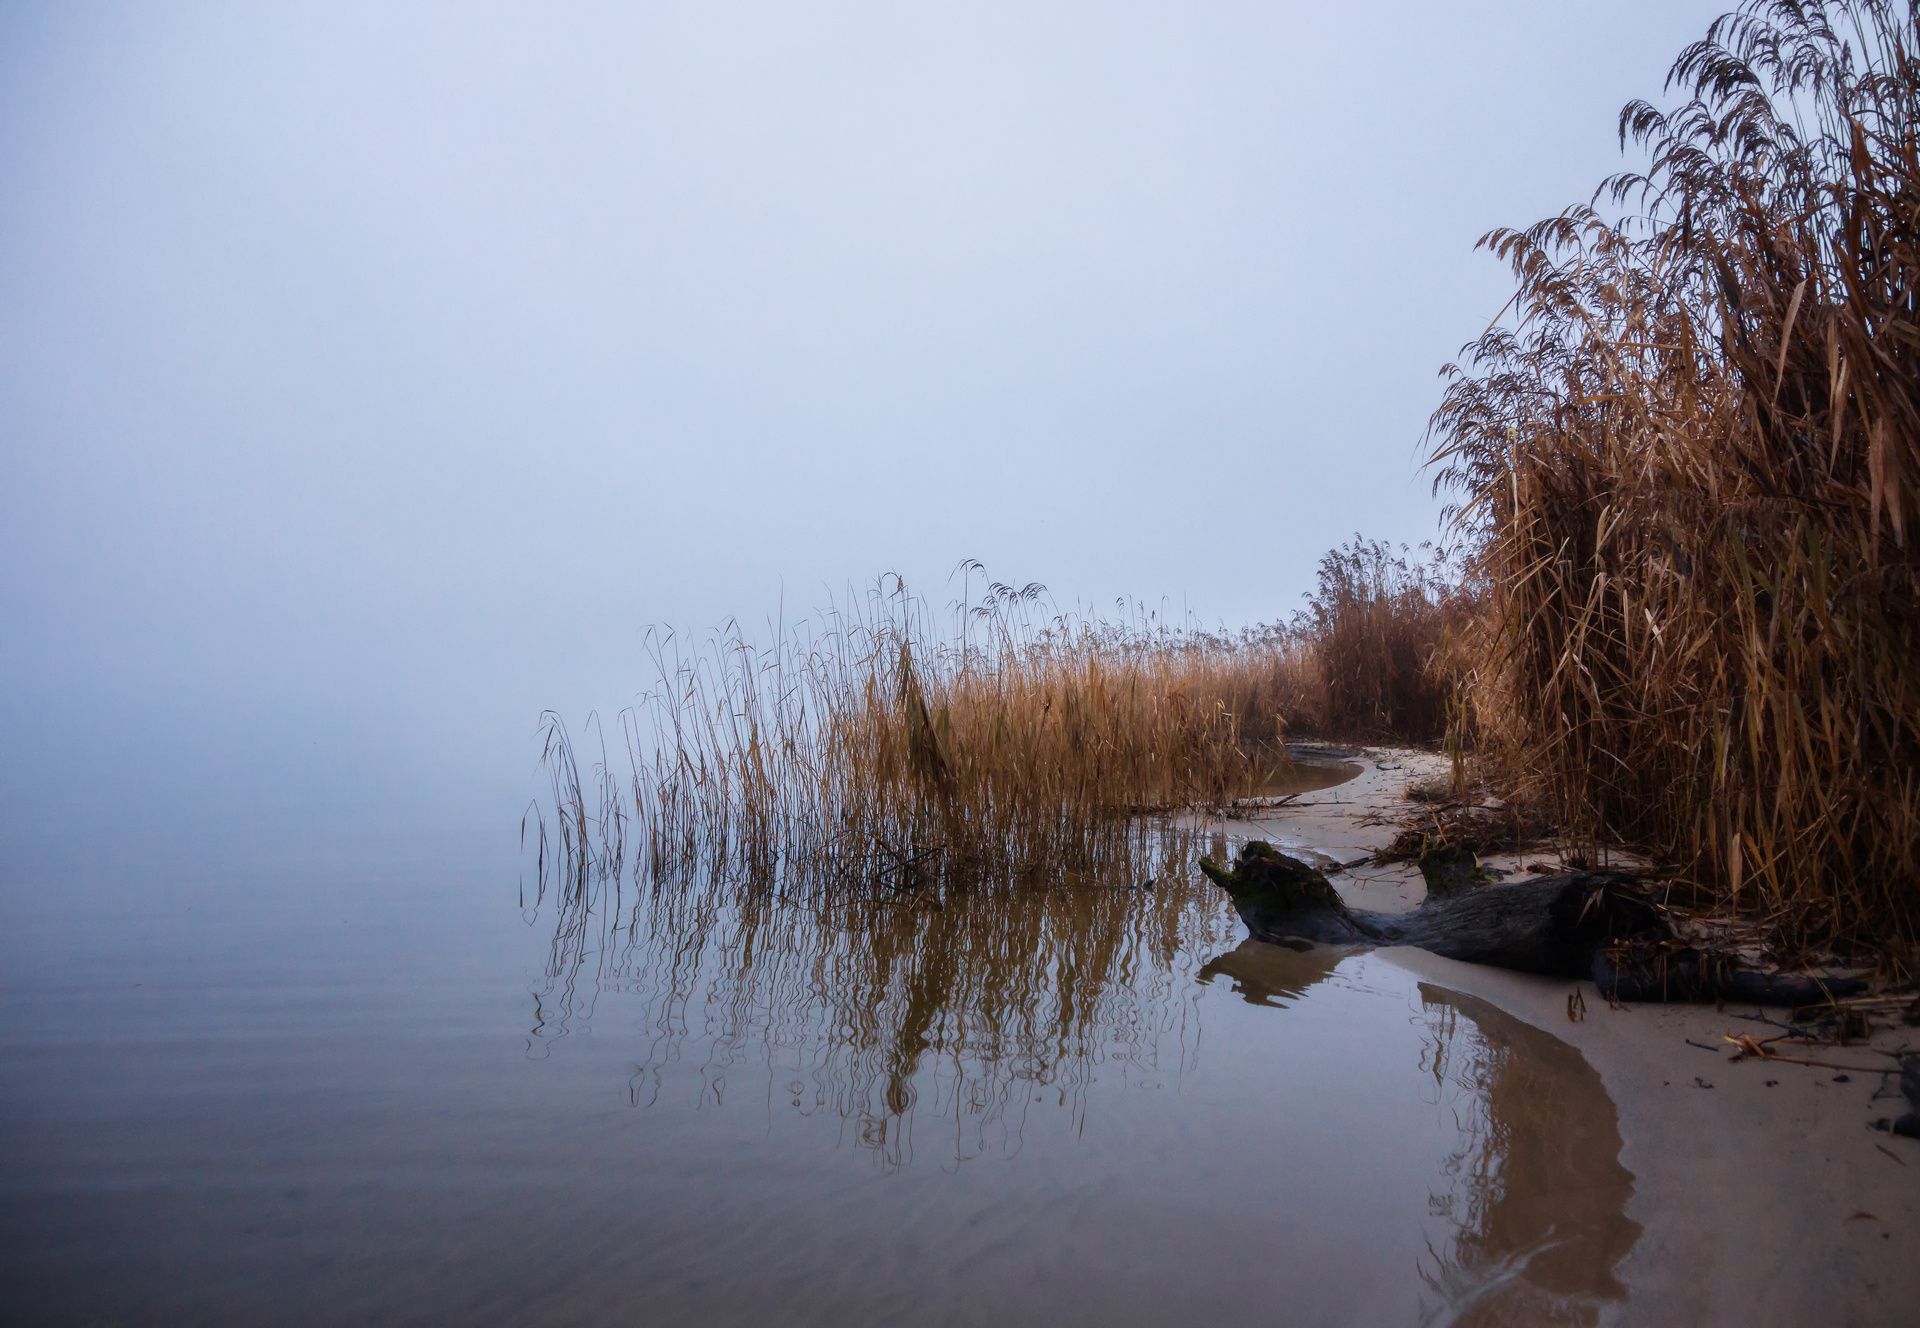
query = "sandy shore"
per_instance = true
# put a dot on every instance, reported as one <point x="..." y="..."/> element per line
<point x="1765" y="1196"/>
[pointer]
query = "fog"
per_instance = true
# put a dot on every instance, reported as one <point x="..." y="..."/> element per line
<point x="372" y="375"/>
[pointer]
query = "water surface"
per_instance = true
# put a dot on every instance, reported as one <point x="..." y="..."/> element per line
<point x="372" y="1086"/>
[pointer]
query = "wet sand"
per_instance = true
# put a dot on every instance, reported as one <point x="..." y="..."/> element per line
<point x="1764" y="1195"/>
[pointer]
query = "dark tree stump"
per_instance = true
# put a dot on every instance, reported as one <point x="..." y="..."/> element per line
<point x="1581" y="924"/>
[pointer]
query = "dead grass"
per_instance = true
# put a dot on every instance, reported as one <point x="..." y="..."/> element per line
<point x="1433" y="789"/>
<point x="1481" y="829"/>
<point x="883" y="746"/>
<point x="1689" y="464"/>
<point x="1375" y="623"/>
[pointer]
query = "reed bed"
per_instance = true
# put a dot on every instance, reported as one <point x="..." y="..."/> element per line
<point x="1375" y="625"/>
<point x="884" y="746"/>
<point x="1688" y="464"/>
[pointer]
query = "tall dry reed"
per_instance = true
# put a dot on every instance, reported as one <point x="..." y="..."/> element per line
<point x="1375" y="623"/>
<point x="1690" y="461"/>
<point x="886" y="746"/>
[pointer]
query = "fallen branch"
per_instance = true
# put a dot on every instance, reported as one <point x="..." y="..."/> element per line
<point x="1749" y="1046"/>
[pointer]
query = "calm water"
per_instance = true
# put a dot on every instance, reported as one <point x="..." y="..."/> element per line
<point x="364" y="1083"/>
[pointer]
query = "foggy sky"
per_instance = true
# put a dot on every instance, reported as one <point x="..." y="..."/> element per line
<point x="370" y="375"/>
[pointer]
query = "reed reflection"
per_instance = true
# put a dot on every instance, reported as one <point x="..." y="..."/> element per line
<point x="974" y="1013"/>
<point x="1529" y="1203"/>
<point x="1535" y="1196"/>
<point x="974" y="1007"/>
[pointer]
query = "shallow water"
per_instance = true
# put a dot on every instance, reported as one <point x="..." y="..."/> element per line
<point x="362" y="1090"/>
<point x="1307" y="777"/>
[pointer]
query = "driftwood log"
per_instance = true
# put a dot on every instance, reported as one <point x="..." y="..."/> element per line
<point x="1579" y="924"/>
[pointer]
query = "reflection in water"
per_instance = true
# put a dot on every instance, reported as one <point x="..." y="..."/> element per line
<point x="1306" y="777"/>
<point x="1275" y="975"/>
<point x="719" y="1107"/>
<point x="1531" y="1197"/>
<point x="971" y="1013"/>
<point x="984" y="1002"/>
<point x="1534" y="1197"/>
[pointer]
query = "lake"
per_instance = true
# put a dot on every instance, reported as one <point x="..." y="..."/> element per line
<point x="377" y="1079"/>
